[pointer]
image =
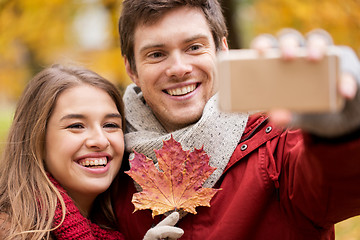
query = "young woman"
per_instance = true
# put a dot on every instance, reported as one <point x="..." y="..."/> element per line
<point x="65" y="148"/>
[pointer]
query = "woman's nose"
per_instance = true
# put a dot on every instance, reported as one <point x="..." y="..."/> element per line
<point x="97" y="139"/>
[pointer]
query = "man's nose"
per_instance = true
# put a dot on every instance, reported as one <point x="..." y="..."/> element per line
<point x="179" y="65"/>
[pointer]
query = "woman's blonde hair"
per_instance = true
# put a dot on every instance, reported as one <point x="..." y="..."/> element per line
<point x="27" y="197"/>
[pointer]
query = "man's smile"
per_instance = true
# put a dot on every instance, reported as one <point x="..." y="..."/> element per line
<point x="181" y="90"/>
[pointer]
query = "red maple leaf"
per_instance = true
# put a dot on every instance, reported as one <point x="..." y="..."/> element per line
<point x="178" y="183"/>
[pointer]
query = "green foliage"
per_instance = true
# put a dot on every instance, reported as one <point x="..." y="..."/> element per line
<point x="6" y="115"/>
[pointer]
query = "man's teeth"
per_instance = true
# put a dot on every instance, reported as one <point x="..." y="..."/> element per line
<point x="182" y="90"/>
<point x="93" y="162"/>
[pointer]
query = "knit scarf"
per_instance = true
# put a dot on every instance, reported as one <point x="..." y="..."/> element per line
<point x="218" y="132"/>
<point x="75" y="225"/>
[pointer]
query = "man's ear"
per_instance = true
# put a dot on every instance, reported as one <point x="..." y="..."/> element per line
<point x="130" y="72"/>
<point x="224" y="45"/>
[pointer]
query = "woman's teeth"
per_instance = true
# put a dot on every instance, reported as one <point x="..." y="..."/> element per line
<point x="182" y="90"/>
<point x="93" y="162"/>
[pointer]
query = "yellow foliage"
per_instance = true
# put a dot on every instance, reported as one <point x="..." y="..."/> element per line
<point x="38" y="33"/>
<point x="11" y="85"/>
<point x="107" y="62"/>
<point x="348" y="229"/>
<point x="340" y="18"/>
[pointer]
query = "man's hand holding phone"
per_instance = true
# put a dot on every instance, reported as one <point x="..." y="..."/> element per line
<point x="324" y="97"/>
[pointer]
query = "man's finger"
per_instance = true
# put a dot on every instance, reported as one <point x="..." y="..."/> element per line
<point x="348" y="86"/>
<point x="318" y="41"/>
<point x="170" y="232"/>
<point x="280" y="117"/>
<point x="290" y="43"/>
<point x="170" y="220"/>
<point x="264" y="42"/>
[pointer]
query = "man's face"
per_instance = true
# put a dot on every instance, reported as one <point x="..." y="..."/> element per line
<point x="175" y="62"/>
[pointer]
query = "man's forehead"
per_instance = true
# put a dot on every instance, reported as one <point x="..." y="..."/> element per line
<point x="185" y="24"/>
<point x="176" y="16"/>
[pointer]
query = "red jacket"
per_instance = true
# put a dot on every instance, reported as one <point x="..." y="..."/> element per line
<point x="277" y="185"/>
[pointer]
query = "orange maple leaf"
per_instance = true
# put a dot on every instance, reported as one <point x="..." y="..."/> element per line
<point x="178" y="183"/>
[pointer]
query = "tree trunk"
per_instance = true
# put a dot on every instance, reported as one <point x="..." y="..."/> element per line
<point x="230" y="8"/>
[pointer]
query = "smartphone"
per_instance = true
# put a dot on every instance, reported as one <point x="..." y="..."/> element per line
<point x="249" y="82"/>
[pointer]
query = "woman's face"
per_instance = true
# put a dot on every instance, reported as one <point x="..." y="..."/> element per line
<point x="84" y="143"/>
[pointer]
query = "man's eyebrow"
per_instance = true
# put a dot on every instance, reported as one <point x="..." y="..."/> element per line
<point x="149" y="46"/>
<point x="196" y="37"/>
<point x="190" y="39"/>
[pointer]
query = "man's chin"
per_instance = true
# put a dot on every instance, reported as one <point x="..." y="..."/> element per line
<point x="181" y="122"/>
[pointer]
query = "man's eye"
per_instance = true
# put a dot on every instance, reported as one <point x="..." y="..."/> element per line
<point x="75" y="126"/>
<point x="195" y="47"/>
<point x="156" y="55"/>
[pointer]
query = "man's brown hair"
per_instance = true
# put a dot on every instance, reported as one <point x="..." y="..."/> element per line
<point x="147" y="12"/>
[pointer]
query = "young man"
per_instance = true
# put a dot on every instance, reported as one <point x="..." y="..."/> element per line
<point x="276" y="183"/>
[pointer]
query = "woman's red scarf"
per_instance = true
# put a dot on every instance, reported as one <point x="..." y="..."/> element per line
<point x="75" y="225"/>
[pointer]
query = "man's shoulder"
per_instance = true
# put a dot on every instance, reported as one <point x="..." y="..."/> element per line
<point x="259" y="123"/>
<point x="255" y="121"/>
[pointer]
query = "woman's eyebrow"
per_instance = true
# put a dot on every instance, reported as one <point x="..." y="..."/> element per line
<point x="81" y="116"/>
<point x="113" y="115"/>
<point x="72" y="116"/>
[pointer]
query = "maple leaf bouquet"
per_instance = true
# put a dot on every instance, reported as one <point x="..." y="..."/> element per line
<point x="177" y="184"/>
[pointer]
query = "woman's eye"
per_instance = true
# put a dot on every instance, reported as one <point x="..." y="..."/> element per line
<point x="75" y="126"/>
<point x="111" y="125"/>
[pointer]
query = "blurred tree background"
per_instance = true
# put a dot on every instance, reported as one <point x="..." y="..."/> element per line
<point x="341" y="18"/>
<point x="37" y="33"/>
